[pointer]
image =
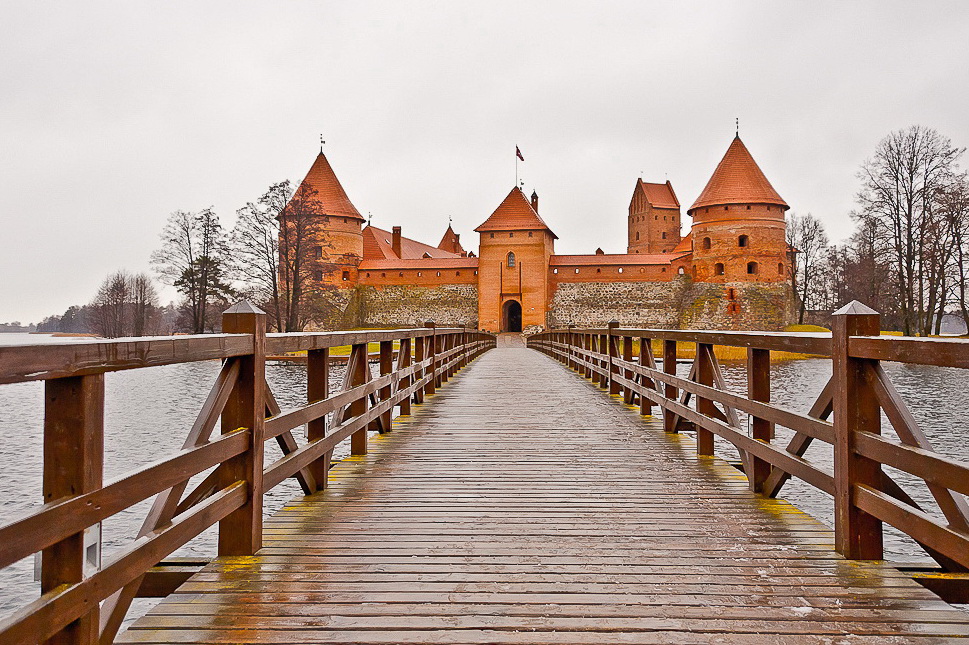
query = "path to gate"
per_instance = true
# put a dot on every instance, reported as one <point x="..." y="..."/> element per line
<point x="522" y="505"/>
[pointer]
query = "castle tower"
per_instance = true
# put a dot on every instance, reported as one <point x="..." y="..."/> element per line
<point x="340" y="245"/>
<point x="514" y="251"/>
<point x="738" y="224"/>
<point x="654" y="219"/>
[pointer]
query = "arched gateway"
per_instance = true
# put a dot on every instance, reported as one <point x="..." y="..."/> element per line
<point x="511" y="316"/>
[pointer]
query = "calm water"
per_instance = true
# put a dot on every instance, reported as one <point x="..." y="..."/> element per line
<point x="149" y="411"/>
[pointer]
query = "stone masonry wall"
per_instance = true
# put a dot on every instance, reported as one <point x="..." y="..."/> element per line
<point x="411" y="306"/>
<point x="639" y="304"/>
<point x="680" y="304"/>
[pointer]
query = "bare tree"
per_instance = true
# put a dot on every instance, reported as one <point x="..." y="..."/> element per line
<point x="192" y="259"/>
<point x="255" y="249"/>
<point x="144" y="305"/>
<point x="110" y="307"/>
<point x="901" y="187"/>
<point x="806" y="236"/>
<point x="955" y="206"/>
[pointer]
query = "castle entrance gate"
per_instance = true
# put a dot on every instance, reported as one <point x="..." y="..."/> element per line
<point x="511" y="316"/>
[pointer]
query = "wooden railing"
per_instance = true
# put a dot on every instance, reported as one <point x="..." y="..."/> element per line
<point x="865" y="496"/>
<point x="79" y="608"/>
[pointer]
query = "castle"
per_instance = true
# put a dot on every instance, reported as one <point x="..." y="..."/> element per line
<point x="731" y="271"/>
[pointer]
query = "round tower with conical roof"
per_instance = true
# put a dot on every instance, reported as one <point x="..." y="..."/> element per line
<point x="339" y="247"/>
<point x="738" y="229"/>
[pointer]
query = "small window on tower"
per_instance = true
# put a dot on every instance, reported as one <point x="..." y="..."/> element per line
<point x="742" y="241"/>
<point x="318" y="275"/>
<point x="511" y="259"/>
<point x="457" y="273"/>
<point x="383" y="275"/>
<point x="529" y="233"/>
<point x="780" y="268"/>
<point x="419" y="274"/>
<point x="511" y="235"/>
<point x="492" y="236"/>
<point x="748" y="206"/>
<point x="439" y="274"/>
<point x="318" y="251"/>
<point x="718" y="268"/>
<point x="656" y="217"/>
<point x="681" y="271"/>
<point x="664" y="235"/>
<point x="368" y="274"/>
<point x="726" y="208"/>
<point x="576" y="270"/>
<point x="751" y="268"/>
<point x="637" y="236"/>
<point x="555" y="270"/>
<point x="346" y="275"/>
<point x="620" y="269"/>
<point x="706" y="243"/>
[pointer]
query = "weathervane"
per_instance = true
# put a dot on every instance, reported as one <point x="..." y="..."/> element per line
<point x="738" y="126"/>
<point x="321" y="144"/>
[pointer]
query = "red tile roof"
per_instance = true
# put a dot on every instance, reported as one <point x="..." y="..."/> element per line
<point x="451" y="242"/>
<point x="515" y="213"/>
<point x="685" y="246"/>
<point x="329" y="191"/>
<point x="738" y="180"/>
<point x="660" y="195"/>
<point x="420" y="263"/>
<point x="611" y="259"/>
<point x="378" y="245"/>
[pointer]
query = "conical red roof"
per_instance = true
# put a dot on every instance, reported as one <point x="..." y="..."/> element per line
<point x="738" y="180"/>
<point x="329" y="191"/>
<point x="515" y="213"/>
<point x="451" y="242"/>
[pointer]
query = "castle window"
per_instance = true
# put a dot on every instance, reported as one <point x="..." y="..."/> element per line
<point x="492" y="236"/>
<point x="732" y="294"/>
<point x="742" y="241"/>
<point x="664" y="218"/>
<point x="768" y="208"/>
<point x="598" y="270"/>
<point x="318" y="251"/>
<point x="748" y="206"/>
<point x="383" y="275"/>
<point x="663" y="270"/>
<point x="642" y="270"/>
<point x="529" y="233"/>
<point x="400" y="275"/>
<point x="726" y="208"/>
<point x="344" y="220"/>
<point x="751" y="268"/>
<point x="476" y="272"/>
<point x="419" y="274"/>
<point x="368" y="274"/>
<point x="439" y="274"/>
<point x="346" y="275"/>
<point x="718" y="268"/>
<point x="555" y="270"/>
<point x="318" y="275"/>
<point x="576" y="270"/>
<point x="780" y="268"/>
<point x="511" y="235"/>
<point x="620" y="269"/>
<point x="681" y="271"/>
<point x="664" y="235"/>
<point x="457" y="273"/>
<point x="637" y="236"/>
<point x="511" y="259"/>
<point x="706" y="243"/>
<point x="656" y="217"/>
<point x="694" y="270"/>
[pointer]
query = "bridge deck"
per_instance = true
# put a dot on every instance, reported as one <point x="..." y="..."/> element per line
<point x="523" y="506"/>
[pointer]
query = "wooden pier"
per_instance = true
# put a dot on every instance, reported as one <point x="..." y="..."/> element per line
<point x="522" y="504"/>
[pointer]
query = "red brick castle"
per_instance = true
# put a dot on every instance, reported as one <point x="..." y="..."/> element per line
<point x="731" y="271"/>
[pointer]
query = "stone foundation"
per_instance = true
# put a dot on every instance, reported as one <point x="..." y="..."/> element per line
<point x="447" y="305"/>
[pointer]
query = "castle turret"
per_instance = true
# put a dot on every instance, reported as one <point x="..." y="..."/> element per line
<point x="654" y="219"/>
<point x="514" y="251"/>
<point x="738" y="224"/>
<point x="340" y="239"/>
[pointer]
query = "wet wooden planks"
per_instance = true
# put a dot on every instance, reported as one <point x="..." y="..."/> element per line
<point x="521" y="505"/>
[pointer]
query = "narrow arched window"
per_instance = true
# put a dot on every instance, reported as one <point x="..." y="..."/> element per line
<point x="706" y="243"/>
<point x="780" y="268"/>
<point x="751" y="268"/>
<point x="742" y="240"/>
<point x="718" y="268"/>
<point x="511" y="259"/>
<point x="637" y="237"/>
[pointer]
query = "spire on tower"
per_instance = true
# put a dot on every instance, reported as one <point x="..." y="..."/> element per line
<point x="321" y="143"/>
<point x="737" y="134"/>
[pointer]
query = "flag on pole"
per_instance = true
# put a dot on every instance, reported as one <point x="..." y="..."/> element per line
<point x="519" y="153"/>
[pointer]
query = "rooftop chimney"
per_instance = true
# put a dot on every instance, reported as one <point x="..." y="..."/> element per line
<point x="395" y="244"/>
<point x="534" y="201"/>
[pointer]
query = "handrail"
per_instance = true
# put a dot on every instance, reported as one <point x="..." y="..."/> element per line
<point x="412" y="363"/>
<point x="864" y="494"/>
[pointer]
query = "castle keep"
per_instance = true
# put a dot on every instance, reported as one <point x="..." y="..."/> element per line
<point x="731" y="271"/>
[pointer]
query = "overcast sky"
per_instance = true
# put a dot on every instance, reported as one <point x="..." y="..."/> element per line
<point x="114" y="114"/>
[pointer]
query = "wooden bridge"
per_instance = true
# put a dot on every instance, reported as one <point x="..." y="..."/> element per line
<point x="518" y="504"/>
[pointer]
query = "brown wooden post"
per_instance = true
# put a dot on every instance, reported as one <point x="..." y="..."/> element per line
<point x="627" y="355"/>
<point x="386" y="367"/>
<point x="587" y="346"/>
<point x="645" y="352"/>
<point x="73" y="465"/>
<point x="240" y="532"/>
<point x="359" y="367"/>
<point x="704" y="376"/>
<point x="758" y="389"/>
<point x="404" y="361"/>
<point x="613" y="351"/>
<point x="432" y="349"/>
<point x="571" y="341"/>
<point x="420" y="353"/>
<point x="317" y="389"/>
<point x="858" y="535"/>
<point x="669" y="391"/>
<point x="604" y="362"/>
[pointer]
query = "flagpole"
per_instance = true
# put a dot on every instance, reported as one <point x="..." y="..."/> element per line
<point x="516" y="165"/>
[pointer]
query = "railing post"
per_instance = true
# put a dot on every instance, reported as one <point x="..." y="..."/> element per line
<point x="317" y="389"/>
<point x="613" y="355"/>
<point x="669" y="391"/>
<point x="435" y="379"/>
<point x="587" y="346"/>
<point x="704" y="376"/>
<point x="386" y="367"/>
<point x="645" y="351"/>
<point x="420" y="353"/>
<point x="570" y="348"/>
<point x="758" y="389"/>
<point x="604" y="362"/>
<point x="73" y="465"/>
<point x="240" y="532"/>
<point x="858" y="535"/>
<point x="359" y="367"/>
<point x="404" y="361"/>
<point x="627" y="355"/>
